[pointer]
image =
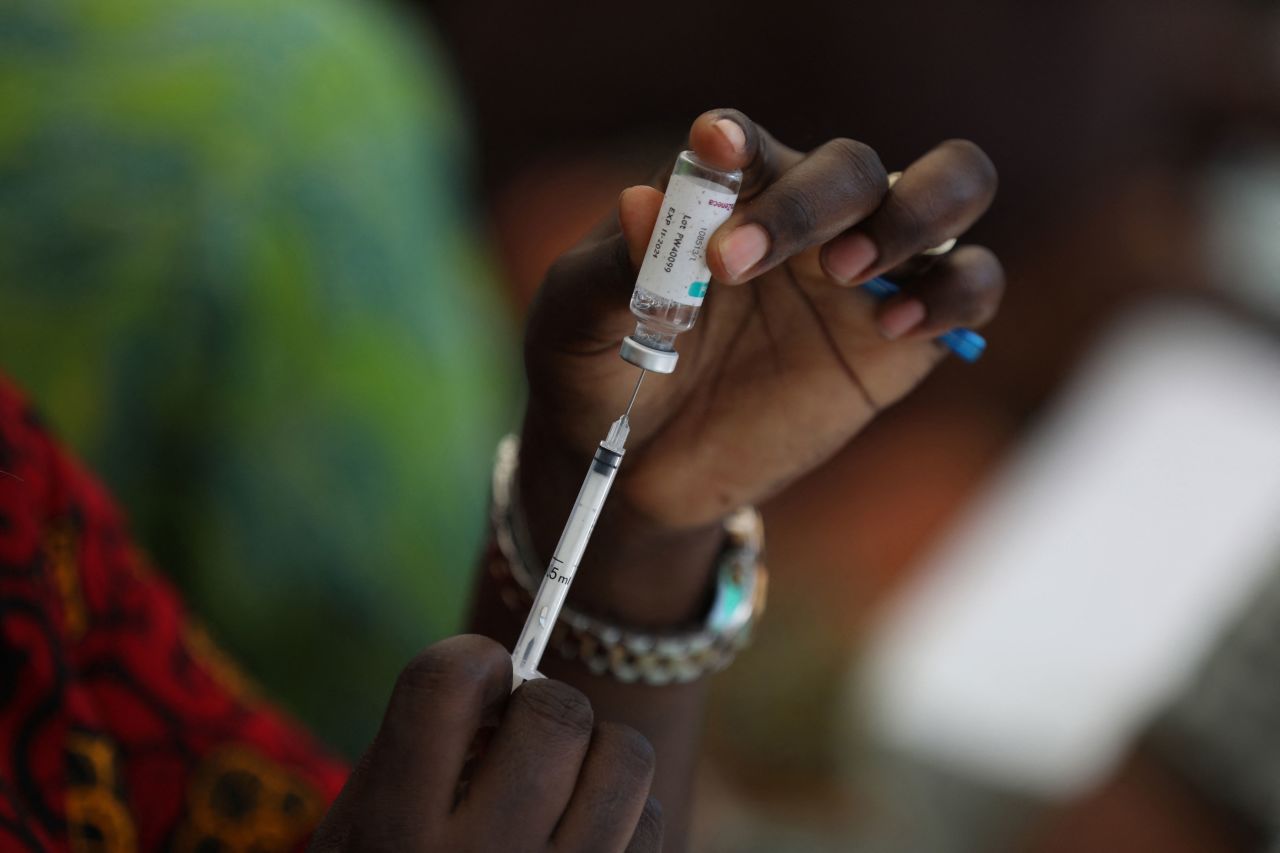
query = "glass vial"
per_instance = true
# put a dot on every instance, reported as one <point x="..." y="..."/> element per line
<point x="674" y="277"/>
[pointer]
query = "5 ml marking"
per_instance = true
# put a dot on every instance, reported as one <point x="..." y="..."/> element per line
<point x="557" y="575"/>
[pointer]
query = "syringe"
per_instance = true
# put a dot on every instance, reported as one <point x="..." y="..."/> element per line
<point x="568" y="553"/>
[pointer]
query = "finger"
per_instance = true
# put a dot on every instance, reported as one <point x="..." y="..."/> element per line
<point x="638" y="209"/>
<point x="612" y="788"/>
<point x="440" y="701"/>
<point x="727" y="139"/>
<point x="648" y="835"/>
<point x="963" y="289"/>
<point x="938" y="197"/>
<point x="834" y="187"/>
<point x="529" y="772"/>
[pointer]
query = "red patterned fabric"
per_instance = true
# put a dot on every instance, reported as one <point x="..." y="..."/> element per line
<point x="121" y="726"/>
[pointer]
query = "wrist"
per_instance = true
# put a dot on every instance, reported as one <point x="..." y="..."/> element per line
<point x="636" y="571"/>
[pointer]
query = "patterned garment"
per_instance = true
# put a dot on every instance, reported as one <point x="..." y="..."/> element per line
<point x="121" y="726"/>
<point x="237" y="275"/>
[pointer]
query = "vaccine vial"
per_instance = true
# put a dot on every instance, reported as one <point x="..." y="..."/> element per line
<point x="674" y="277"/>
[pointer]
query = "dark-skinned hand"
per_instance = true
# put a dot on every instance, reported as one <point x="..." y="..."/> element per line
<point x="546" y="778"/>
<point x="788" y="359"/>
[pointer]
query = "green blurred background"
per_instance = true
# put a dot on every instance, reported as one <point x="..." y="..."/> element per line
<point x="241" y="275"/>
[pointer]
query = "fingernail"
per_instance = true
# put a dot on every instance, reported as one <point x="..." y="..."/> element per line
<point x="745" y="246"/>
<point x="850" y="256"/>
<point x="732" y="132"/>
<point x="900" y="318"/>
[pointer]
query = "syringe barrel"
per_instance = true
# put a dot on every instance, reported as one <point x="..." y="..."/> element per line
<point x="564" y="563"/>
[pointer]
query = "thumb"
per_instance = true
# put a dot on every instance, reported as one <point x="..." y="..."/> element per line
<point x="638" y="209"/>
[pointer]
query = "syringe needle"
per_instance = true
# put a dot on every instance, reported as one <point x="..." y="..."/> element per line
<point x="635" y="393"/>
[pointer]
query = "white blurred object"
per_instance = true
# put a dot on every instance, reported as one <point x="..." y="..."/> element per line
<point x="1076" y="597"/>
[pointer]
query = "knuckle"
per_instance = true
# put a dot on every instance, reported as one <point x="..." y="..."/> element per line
<point x="456" y="664"/>
<point x="632" y="752"/>
<point x="911" y="230"/>
<point x="970" y="288"/>
<point x="794" y="210"/>
<point x="977" y="177"/>
<point x="554" y="706"/>
<point x="860" y="162"/>
<point x="982" y="269"/>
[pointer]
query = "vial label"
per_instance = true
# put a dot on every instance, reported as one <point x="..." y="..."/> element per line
<point x="675" y="265"/>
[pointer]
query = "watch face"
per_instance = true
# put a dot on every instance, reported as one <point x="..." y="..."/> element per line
<point x="741" y="579"/>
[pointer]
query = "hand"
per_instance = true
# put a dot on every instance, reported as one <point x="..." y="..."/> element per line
<point x="546" y="780"/>
<point x="788" y="361"/>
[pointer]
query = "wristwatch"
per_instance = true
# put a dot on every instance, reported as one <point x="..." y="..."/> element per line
<point x="615" y="650"/>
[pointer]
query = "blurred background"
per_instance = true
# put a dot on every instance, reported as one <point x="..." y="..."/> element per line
<point x="266" y="268"/>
